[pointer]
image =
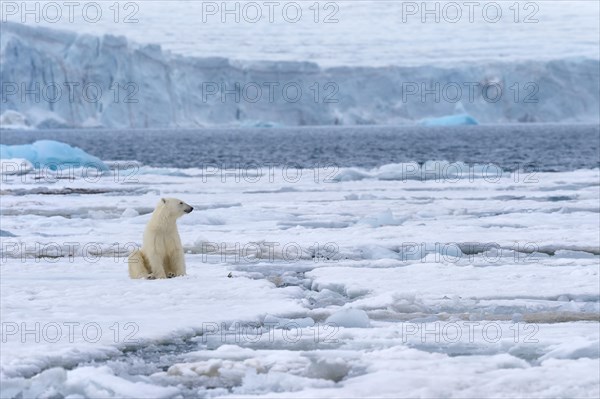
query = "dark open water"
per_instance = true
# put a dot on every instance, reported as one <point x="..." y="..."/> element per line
<point x="545" y="147"/>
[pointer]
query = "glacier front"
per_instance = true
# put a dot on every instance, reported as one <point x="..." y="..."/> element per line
<point x="54" y="79"/>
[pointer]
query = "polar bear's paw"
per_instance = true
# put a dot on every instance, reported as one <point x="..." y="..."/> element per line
<point x="151" y="277"/>
<point x="171" y="275"/>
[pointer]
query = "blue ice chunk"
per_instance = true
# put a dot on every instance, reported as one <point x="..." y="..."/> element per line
<point x="450" y="120"/>
<point x="51" y="154"/>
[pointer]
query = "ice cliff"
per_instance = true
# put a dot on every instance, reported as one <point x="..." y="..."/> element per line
<point x="53" y="78"/>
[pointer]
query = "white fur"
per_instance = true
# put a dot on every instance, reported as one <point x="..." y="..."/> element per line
<point x="161" y="255"/>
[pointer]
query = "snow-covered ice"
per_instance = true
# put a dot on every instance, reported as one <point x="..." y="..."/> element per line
<point x="429" y="279"/>
<point x="383" y="285"/>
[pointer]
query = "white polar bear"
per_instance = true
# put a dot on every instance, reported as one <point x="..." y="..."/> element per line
<point x="161" y="255"/>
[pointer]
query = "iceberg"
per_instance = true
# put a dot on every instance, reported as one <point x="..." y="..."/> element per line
<point x="13" y="120"/>
<point x="450" y="120"/>
<point x="50" y="154"/>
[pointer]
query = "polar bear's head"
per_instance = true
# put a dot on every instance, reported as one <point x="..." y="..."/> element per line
<point x="174" y="207"/>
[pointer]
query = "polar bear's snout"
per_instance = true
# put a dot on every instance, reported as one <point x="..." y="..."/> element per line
<point x="189" y="209"/>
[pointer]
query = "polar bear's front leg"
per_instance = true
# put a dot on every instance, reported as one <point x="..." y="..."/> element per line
<point x="156" y="266"/>
<point x="177" y="264"/>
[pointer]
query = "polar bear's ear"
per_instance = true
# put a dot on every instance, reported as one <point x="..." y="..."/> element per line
<point x="163" y="200"/>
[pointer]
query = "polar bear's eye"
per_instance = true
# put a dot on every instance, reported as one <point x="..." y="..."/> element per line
<point x="180" y="203"/>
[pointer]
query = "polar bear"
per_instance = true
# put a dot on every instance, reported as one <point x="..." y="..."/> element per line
<point x="161" y="255"/>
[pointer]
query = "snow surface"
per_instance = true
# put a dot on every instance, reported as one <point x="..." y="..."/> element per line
<point x="457" y="287"/>
<point x="14" y="166"/>
<point x="111" y="81"/>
